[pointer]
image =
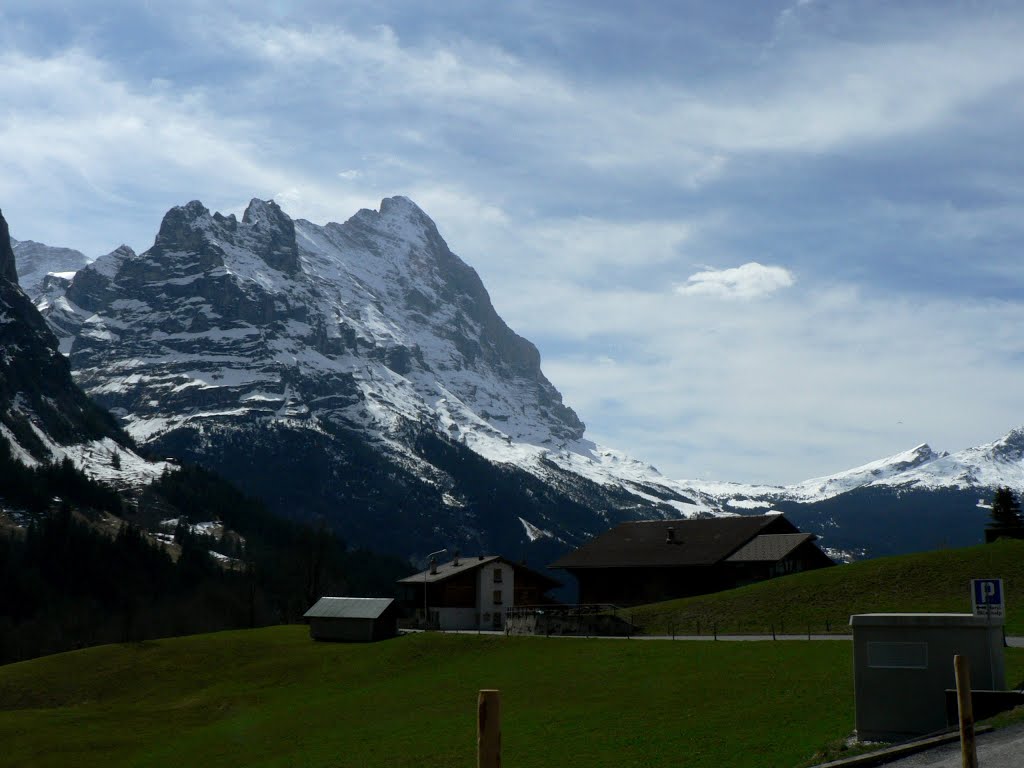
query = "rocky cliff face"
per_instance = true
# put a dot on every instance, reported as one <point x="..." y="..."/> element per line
<point x="8" y="270"/>
<point x="43" y="415"/>
<point x="38" y="262"/>
<point x="354" y="371"/>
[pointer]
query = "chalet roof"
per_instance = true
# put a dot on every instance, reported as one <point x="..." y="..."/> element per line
<point x="449" y="569"/>
<point x="348" y="608"/>
<point x="673" y="543"/>
<point x="769" y="547"/>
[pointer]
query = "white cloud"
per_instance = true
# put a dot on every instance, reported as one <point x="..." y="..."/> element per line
<point x="85" y="140"/>
<point x="748" y="281"/>
<point x="810" y="97"/>
<point x="785" y="390"/>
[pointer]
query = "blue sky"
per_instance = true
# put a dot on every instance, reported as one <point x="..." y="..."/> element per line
<point x="753" y="241"/>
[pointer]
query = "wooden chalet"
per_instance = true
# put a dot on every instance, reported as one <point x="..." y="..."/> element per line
<point x="472" y="593"/>
<point x="646" y="562"/>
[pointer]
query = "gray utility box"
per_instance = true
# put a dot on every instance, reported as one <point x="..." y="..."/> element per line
<point x="903" y="664"/>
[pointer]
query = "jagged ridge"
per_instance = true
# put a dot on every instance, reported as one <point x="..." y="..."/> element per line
<point x="354" y="371"/>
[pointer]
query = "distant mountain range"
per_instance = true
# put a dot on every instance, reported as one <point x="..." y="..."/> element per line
<point x="358" y="373"/>
<point x="918" y="499"/>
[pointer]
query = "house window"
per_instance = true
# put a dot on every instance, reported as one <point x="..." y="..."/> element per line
<point x="497" y="576"/>
<point x="497" y="597"/>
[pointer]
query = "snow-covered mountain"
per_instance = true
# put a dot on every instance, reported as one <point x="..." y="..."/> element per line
<point x="353" y="371"/>
<point x="359" y="372"/>
<point x="44" y="417"/>
<point x="42" y="267"/>
<point x="989" y="466"/>
<point x="912" y="500"/>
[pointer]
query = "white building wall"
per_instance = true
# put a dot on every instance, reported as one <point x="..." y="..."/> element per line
<point x="486" y="588"/>
<point x="456" y="618"/>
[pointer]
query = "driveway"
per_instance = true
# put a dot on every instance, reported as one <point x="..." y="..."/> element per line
<point x="997" y="749"/>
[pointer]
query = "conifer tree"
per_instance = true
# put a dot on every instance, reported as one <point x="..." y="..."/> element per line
<point x="1006" y="512"/>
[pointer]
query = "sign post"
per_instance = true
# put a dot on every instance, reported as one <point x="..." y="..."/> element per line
<point x="987" y="599"/>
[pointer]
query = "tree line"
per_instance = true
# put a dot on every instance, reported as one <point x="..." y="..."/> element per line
<point x="71" y="580"/>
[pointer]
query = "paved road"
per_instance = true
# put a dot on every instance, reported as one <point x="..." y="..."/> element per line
<point x="998" y="749"/>
<point x="1013" y="642"/>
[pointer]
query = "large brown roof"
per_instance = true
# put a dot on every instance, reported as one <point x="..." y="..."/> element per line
<point x="769" y="547"/>
<point x="668" y="543"/>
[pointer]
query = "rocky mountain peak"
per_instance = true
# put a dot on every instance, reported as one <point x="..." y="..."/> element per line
<point x="8" y="270"/>
<point x="1011" y="446"/>
<point x="183" y="227"/>
<point x="273" y="234"/>
<point x="400" y="208"/>
<point x="919" y="455"/>
<point x="40" y="264"/>
<point x="203" y="238"/>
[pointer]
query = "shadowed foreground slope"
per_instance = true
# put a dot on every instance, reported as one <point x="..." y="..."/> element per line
<point x="272" y="697"/>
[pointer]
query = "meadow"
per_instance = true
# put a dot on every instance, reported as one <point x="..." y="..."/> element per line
<point x="823" y="601"/>
<point x="272" y="697"/>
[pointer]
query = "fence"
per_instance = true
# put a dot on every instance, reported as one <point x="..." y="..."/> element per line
<point x="599" y="619"/>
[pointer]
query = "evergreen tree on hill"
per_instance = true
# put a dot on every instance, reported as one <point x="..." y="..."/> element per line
<point x="1006" y="513"/>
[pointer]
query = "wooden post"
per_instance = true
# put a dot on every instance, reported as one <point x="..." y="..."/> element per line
<point x="968" y="749"/>
<point x="488" y="729"/>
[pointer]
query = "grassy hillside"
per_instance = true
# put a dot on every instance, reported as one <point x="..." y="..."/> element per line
<point x="931" y="581"/>
<point x="272" y="697"/>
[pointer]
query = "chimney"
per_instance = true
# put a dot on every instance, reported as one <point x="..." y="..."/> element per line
<point x="670" y="535"/>
<point x="479" y="557"/>
<point x="455" y="558"/>
<point x="433" y="565"/>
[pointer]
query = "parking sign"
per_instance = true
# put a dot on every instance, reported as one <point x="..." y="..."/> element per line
<point x="987" y="598"/>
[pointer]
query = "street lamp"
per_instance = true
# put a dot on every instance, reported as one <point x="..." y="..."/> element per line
<point x="430" y="557"/>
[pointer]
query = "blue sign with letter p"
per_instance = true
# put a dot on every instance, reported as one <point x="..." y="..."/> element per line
<point x="987" y="597"/>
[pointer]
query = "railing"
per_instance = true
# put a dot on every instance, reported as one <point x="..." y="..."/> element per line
<point x="601" y="619"/>
<point x="582" y="609"/>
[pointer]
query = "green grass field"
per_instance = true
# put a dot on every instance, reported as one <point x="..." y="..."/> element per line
<point x="929" y="582"/>
<point x="272" y="697"/>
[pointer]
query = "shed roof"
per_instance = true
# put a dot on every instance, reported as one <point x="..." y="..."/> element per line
<point x="769" y="547"/>
<point x="672" y="543"/>
<point x="348" y="608"/>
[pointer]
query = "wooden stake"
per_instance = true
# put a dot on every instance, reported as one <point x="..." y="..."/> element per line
<point x="488" y="729"/>
<point x="968" y="749"/>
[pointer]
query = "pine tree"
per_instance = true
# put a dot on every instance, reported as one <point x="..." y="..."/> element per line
<point x="1006" y="512"/>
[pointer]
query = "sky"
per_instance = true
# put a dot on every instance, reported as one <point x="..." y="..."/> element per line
<point x="757" y="242"/>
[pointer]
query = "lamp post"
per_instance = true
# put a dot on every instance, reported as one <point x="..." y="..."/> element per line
<point x="430" y="557"/>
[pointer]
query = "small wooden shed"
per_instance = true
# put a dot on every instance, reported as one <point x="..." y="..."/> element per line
<point x="353" y="619"/>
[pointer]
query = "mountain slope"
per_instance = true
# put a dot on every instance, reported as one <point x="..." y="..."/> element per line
<point x="356" y="372"/>
<point x="43" y="415"/>
<point x="37" y="264"/>
<point x="914" y="500"/>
